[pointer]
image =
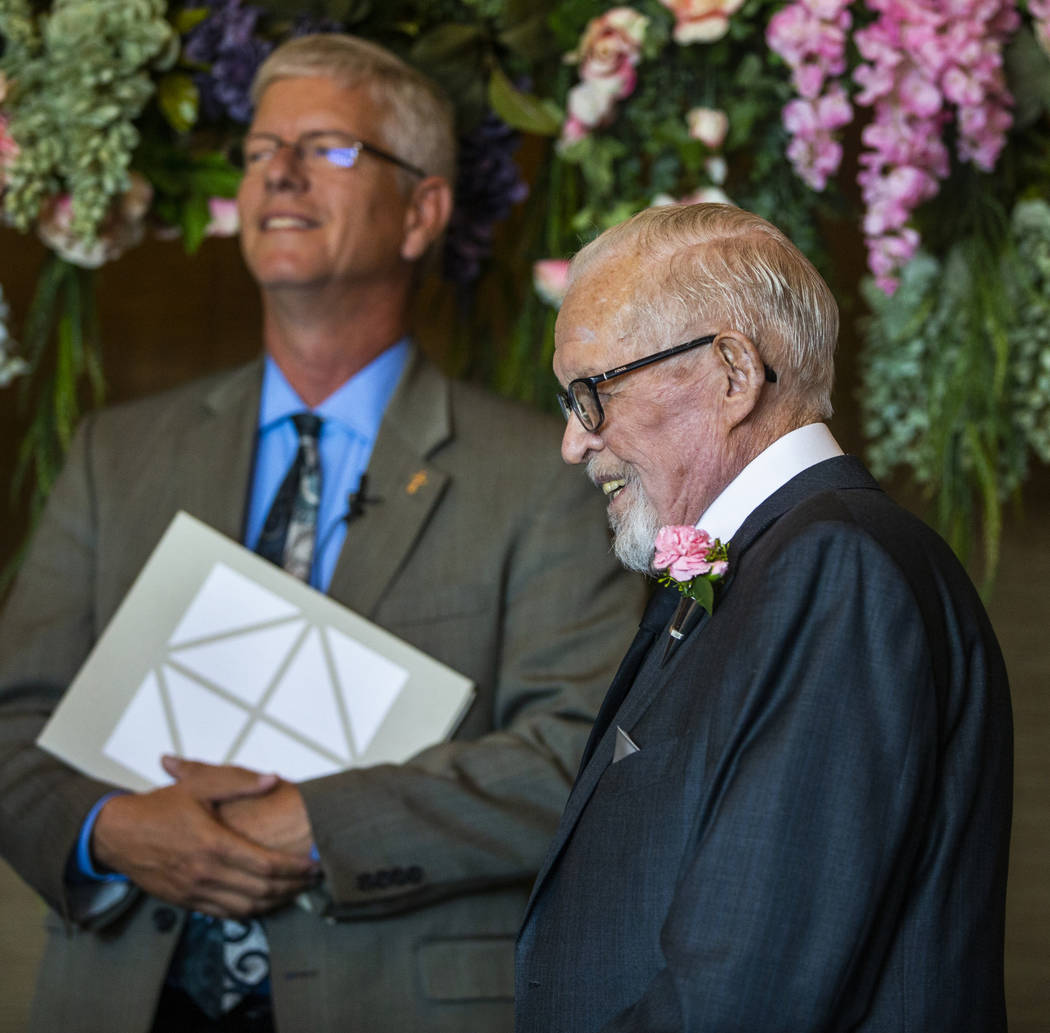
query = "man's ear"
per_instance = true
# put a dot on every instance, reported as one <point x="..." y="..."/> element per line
<point x="428" y="211"/>
<point x="745" y="375"/>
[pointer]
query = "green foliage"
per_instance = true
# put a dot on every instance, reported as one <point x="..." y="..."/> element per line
<point x="63" y="312"/>
<point x="184" y="180"/>
<point x="956" y="368"/>
<point x="521" y="110"/>
<point x="179" y="100"/>
<point x="956" y="377"/>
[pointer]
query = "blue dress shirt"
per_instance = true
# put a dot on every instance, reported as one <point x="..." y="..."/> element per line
<point x="351" y="416"/>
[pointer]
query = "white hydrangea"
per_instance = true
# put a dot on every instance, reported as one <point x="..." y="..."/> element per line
<point x="11" y="366"/>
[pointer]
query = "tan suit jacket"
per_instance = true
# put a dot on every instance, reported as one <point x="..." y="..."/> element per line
<point x="483" y="550"/>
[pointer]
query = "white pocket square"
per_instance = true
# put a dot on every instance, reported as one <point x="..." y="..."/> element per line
<point x="624" y="747"/>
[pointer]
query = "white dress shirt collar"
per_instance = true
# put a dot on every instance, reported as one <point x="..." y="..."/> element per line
<point x="769" y="470"/>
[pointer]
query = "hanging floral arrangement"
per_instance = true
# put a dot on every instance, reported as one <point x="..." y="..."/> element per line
<point x="926" y="124"/>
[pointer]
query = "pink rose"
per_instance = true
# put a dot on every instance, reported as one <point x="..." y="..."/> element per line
<point x="550" y="277"/>
<point x="609" y="49"/>
<point x="701" y="21"/>
<point x="610" y="46"/>
<point x="708" y="125"/>
<point x="682" y="550"/>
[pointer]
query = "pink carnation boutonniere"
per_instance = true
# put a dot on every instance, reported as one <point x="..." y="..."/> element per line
<point x="691" y="561"/>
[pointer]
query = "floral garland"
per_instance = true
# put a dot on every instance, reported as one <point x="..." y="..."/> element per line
<point x="938" y="113"/>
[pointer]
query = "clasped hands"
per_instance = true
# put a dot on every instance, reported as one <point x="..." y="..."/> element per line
<point x="222" y="840"/>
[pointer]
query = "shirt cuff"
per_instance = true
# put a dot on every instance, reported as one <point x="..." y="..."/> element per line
<point x="85" y="867"/>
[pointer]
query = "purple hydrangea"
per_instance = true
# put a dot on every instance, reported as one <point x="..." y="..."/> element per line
<point x="226" y="42"/>
<point x="488" y="184"/>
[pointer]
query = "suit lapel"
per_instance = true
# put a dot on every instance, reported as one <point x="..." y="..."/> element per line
<point x="405" y="484"/>
<point x="222" y="446"/>
<point x="620" y="702"/>
<point x="657" y="613"/>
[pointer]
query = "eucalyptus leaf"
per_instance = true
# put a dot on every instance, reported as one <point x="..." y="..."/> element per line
<point x="518" y="109"/>
<point x="179" y="100"/>
<point x="195" y="218"/>
<point x="215" y="180"/>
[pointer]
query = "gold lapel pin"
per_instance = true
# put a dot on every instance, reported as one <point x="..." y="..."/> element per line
<point x="416" y="482"/>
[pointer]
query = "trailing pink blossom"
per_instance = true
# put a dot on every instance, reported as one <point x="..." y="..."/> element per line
<point x="810" y="35"/>
<point x="923" y="62"/>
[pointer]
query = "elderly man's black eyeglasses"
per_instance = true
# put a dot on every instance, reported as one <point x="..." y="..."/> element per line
<point x="321" y="149"/>
<point x="581" y="396"/>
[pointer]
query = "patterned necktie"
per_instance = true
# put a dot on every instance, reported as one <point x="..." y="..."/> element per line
<point x="290" y="530"/>
<point x="222" y="961"/>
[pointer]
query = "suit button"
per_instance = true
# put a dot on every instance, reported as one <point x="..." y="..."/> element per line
<point x="164" y="919"/>
<point x="414" y="874"/>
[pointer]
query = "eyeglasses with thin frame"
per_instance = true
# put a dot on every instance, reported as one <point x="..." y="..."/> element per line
<point x="581" y="396"/>
<point x="320" y="149"/>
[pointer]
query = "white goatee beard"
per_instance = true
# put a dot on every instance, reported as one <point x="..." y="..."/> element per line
<point x="634" y="531"/>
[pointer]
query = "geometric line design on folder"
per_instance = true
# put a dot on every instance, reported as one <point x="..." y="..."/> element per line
<point x="298" y="762"/>
<point x="206" y="722"/>
<point x="355" y="667"/>
<point x="142" y="733"/>
<point x="321" y="720"/>
<point x="210" y="613"/>
<point x="242" y="663"/>
<point x="248" y="680"/>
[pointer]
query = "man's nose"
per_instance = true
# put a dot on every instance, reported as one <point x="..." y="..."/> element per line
<point x="286" y="169"/>
<point x="577" y="442"/>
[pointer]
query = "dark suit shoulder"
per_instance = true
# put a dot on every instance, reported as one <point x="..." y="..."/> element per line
<point x="866" y="515"/>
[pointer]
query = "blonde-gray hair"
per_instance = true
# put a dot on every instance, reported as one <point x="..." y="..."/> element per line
<point x="417" y="119"/>
<point x="716" y="261"/>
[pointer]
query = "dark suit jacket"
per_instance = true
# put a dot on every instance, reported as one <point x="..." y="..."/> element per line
<point x="813" y="834"/>
<point x="495" y="561"/>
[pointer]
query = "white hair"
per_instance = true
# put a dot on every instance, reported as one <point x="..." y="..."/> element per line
<point x="716" y="261"/>
<point x="418" y="123"/>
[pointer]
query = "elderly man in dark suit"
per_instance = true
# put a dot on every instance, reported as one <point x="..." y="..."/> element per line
<point x="472" y="541"/>
<point x="794" y="817"/>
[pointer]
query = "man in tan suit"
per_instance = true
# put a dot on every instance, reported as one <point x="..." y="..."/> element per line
<point x="470" y="541"/>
